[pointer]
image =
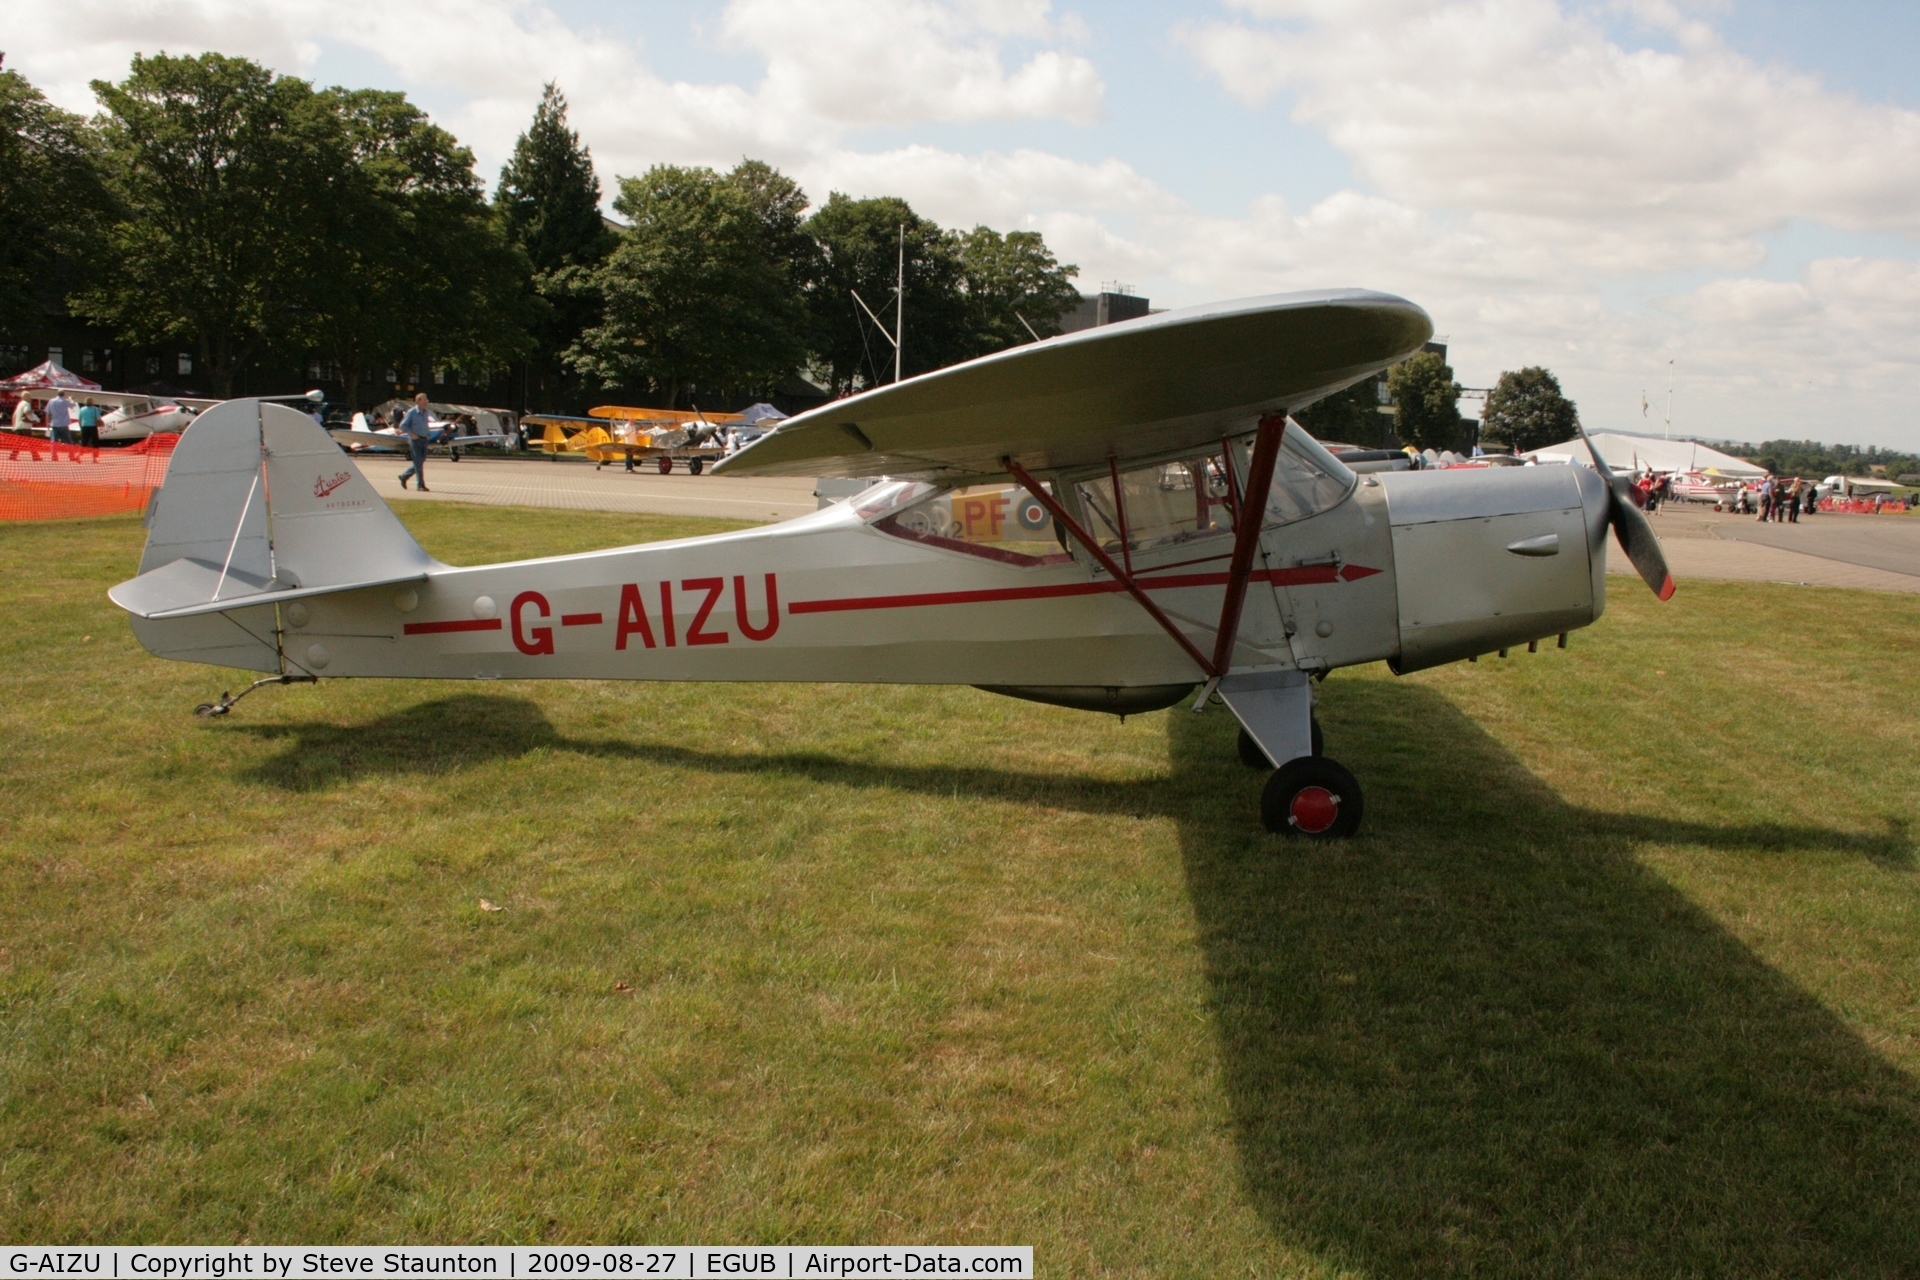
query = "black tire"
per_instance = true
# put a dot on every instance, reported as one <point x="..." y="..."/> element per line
<point x="204" y="710"/>
<point x="694" y="465"/>
<point x="1254" y="758"/>
<point x="1312" y="798"/>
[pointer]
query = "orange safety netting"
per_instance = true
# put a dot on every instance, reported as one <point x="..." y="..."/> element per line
<point x="40" y="480"/>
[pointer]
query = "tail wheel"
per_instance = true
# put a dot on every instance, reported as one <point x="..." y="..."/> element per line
<point x="666" y="466"/>
<point x="1254" y="758"/>
<point x="1312" y="797"/>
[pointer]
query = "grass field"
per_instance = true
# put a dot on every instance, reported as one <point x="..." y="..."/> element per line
<point x="1620" y="978"/>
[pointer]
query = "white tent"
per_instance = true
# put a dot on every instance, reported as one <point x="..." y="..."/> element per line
<point x="1642" y="453"/>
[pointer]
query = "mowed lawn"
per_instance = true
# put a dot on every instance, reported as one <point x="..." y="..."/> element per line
<point x="1620" y="978"/>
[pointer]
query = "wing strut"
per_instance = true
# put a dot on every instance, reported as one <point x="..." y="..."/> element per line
<point x="1119" y="575"/>
<point x="1246" y="539"/>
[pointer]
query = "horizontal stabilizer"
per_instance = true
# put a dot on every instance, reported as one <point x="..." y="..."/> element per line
<point x="1136" y="389"/>
<point x="188" y="588"/>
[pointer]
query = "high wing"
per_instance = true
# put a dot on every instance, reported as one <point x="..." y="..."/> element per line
<point x="1136" y="389"/>
<point x="118" y="398"/>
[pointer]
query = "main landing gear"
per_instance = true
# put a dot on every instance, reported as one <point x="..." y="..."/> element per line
<point x="1308" y="795"/>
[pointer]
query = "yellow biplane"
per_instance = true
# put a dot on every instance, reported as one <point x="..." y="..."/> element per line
<point x="612" y="433"/>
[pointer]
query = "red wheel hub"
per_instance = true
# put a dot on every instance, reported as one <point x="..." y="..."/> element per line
<point x="1313" y="809"/>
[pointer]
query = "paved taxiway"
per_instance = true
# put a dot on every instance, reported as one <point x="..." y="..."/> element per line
<point x="1878" y="553"/>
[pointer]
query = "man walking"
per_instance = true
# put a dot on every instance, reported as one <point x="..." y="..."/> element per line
<point x="415" y="427"/>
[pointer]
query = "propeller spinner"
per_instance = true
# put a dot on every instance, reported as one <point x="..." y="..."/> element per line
<point x="1631" y="526"/>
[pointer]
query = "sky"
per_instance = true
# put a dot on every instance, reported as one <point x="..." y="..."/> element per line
<point x="1720" y="195"/>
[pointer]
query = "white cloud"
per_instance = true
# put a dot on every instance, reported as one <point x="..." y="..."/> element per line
<point x="902" y="62"/>
<point x="1516" y="110"/>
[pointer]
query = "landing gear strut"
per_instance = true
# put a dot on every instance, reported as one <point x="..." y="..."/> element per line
<point x="1254" y="758"/>
<point x="207" y="710"/>
<point x="1308" y="794"/>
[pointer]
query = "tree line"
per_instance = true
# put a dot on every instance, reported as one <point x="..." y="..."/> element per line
<point x="254" y="217"/>
<point x="1526" y="410"/>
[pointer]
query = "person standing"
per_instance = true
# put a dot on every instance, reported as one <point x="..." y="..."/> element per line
<point x="25" y="416"/>
<point x="59" y="420"/>
<point x="89" y="425"/>
<point x="415" y="427"/>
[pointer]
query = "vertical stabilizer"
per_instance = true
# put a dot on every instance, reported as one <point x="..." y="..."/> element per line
<point x="260" y="506"/>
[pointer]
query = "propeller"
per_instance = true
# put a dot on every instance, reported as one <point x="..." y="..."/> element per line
<point x="1631" y="526"/>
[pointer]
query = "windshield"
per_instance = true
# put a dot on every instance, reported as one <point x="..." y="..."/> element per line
<point x="1306" y="479"/>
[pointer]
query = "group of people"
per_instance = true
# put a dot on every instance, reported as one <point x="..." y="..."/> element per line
<point x="1780" y="498"/>
<point x="1650" y="491"/>
<point x="63" y="415"/>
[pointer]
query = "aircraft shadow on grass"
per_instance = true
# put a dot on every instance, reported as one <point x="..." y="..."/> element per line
<point x="1481" y="1039"/>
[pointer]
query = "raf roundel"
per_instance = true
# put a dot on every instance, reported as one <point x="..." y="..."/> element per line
<point x="1031" y="515"/>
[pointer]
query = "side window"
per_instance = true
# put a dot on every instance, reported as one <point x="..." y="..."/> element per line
<point x="1159" y="505"/>
<point x="997" y="521"/>
<point x="1306" y="479"/>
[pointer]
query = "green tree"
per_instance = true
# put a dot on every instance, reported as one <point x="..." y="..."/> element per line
<point x="1526" y="411"/>
<point x="419" y="266"/>
<point x="1426" y="402"/>
<point x="549" y="196"/>
<point x="699" y="293"/>
<point x="222" y="171"/>
<point x="1351" y="416"/>
<point x="549" y="203"/>
<point x="1009" y="278"/>
<point x="53" y="201"/>
<point x="860" y="243"/>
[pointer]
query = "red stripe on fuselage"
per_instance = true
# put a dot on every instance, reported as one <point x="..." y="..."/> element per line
<point x="458" y="624"/>
<point x="1303" y="576"/>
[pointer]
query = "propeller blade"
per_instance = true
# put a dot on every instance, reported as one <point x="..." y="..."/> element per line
<point x="1635" y="531"/>
<point x="1631" y="526"/>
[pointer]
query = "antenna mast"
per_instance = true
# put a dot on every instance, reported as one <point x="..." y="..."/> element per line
<point x="1669" y="399"/>
<point x="900" y="305"/>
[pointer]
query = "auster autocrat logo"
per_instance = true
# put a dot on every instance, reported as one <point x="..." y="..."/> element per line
<point x="323" y="486"/>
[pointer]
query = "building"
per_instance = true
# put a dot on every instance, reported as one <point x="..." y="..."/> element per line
<point x="1117" y="302"/>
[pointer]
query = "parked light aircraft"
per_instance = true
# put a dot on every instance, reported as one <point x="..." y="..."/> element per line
<point x="1104" y="520"/>
<point x="134" y="417"/>
<point x="455" y="427"/>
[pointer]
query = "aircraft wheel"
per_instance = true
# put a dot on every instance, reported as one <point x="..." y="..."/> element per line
<point x="1313" y="797"/>
<point x="694" y="465"/>
<point x="1254" y="758"/>
<point x="666" y="466"/>
<point x="455" y="454"/>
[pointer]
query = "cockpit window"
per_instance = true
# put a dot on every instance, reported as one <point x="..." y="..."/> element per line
<point x="1306" y="479"/>
<point x="888" y="495"/>
<point x="998" y="521"/>
<point x="1159" y="505"/>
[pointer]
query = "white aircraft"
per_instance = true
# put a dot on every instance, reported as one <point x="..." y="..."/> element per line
<point x="1104" y="520"/>
<point x="134" y="417"/>
<point x="455" y="427"/>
